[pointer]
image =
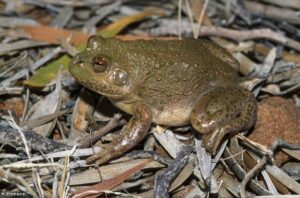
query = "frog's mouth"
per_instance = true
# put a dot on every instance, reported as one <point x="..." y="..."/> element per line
<point x="104" y="88"/>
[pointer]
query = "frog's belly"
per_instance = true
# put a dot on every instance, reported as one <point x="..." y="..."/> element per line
<point x="172" y="116"/>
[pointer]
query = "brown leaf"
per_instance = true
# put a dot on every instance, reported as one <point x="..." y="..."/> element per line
<point x="51" y="35"/>
<point x="110" y="183"/>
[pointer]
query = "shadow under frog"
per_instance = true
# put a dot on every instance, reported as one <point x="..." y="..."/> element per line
<point x="172" y="83"/>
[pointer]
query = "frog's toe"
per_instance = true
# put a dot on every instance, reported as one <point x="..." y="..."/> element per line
<point x="101" y="157"/>
<point x="212" y="140"/>
<point x="131" y="134"/>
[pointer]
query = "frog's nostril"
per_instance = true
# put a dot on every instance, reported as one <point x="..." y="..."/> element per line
<point x="80" y="63"/>
<point x="77" y="61"/>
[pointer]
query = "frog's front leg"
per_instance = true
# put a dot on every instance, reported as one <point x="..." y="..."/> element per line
<point x="221" y="111"/>
<point x="131" y="134"/>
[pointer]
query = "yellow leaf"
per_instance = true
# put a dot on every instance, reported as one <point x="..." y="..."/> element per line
<point x="115" y="28"/>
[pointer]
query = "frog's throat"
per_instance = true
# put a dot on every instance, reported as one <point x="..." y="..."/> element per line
<point x="101" y="87"/>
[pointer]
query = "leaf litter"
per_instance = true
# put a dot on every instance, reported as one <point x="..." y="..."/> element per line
<point x="44" y="145"/>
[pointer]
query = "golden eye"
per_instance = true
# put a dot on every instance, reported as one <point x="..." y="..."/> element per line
<point x="100" y="64"/>
<point x="120" y="77"/>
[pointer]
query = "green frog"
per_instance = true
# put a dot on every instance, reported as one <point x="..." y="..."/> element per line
<point x="166" y="82"/>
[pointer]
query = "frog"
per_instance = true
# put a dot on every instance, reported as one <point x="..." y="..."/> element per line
<point x="169" y="83"/>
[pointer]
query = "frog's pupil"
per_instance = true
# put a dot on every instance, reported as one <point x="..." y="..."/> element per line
<point x="99" y="64"/>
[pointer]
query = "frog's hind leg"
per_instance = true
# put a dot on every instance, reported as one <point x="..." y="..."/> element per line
<point x="222" y="111"/>
<point x="132" y="133"/>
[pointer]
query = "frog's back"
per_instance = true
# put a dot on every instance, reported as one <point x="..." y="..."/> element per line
<point x="171" y="75"/>
<point x="178" y="73"/>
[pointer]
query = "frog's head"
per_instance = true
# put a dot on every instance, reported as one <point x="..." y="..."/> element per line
<point x="100" y="67"/>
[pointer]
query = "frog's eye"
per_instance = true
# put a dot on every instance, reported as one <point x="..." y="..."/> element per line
<point x="100" y="64"/>
<point x="120" y="77"/>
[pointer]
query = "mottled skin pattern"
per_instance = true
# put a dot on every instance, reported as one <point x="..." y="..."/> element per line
<point x="171" y="83"/>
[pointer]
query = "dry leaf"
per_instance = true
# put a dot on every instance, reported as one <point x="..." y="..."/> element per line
<point x="111" y="183"/>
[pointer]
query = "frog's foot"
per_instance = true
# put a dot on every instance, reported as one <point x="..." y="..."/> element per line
<point x="222" y="111"/>
<point x="132" y="133"/>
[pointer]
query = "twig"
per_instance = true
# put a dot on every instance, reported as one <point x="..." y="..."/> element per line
<point x="273" y="12"/>
<point x="18" y="45"/>
<point x="237" y="35"/>
<point x="278" y="196"/>
<point x="263" y="161"/>
<point x="283" y="144"/>
<point x="21" y="134"/>
<point x="10" y="135"/>
<point x="251" y="174"/>
<point x="96" y="135"/>
<point x="11" y="90"/>
<point x="239" y="8"/>
<point x="63" y="181"/>
<point x="163" y="181"/>
<point x="8" y="176"/>
<point x="146" y="154"/>
<point x="20" y="165"/>
<point x="190" y="15"/>
<point x="179" y="18"/>
<point x="240" y="173"/>
<point x="30" y="124"/>
<point x="295" y="4"/>
<point x="241" y="35"/>
<point x="33" y="67"/>
<point x="201" y="17"/>
<point x="76" y="3"/>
